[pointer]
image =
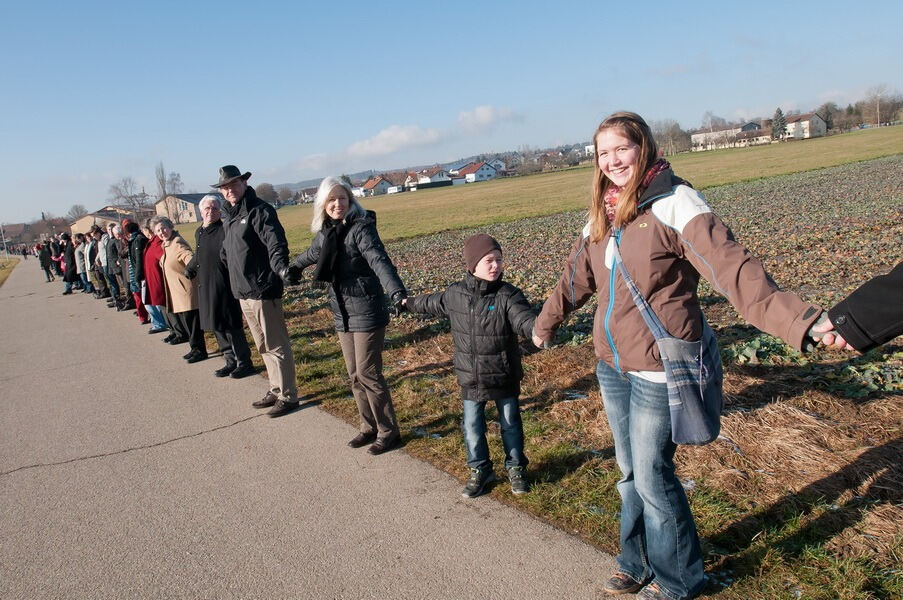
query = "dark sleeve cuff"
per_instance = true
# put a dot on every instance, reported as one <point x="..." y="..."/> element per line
<point x="843" y="321"/>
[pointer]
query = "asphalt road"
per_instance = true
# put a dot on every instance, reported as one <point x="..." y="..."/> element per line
<point x="126" y="473"/>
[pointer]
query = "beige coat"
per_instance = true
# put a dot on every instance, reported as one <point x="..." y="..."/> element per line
<point x="181" y="295"/>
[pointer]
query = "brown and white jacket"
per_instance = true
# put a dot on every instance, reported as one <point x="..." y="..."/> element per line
<point x="674" y="238"/>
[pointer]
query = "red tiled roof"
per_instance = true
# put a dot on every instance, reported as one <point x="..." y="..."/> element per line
<point x="372" y="182"/>
<point x="471" y="168"/>
<point x="432" y="171"/>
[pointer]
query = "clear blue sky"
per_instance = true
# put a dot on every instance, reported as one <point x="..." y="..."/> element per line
<point x="96" y="91"/>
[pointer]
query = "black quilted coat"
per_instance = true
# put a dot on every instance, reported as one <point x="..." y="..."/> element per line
<point x="486" y="318"/>
<point x="362" y="271"/>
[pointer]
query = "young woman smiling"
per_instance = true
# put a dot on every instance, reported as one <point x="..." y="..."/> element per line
<point x="667" y="236"/>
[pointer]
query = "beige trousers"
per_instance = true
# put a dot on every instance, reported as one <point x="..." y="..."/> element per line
<point x="363" y="352"/>
<point x="266" y="320"/>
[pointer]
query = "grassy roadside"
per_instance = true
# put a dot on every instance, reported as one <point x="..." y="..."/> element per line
<point x="6" y="267"/>
<point x="802" y="498"/>
<point x="425" y="212"/>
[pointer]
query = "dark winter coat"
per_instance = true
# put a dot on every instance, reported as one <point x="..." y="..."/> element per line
<point x="113" y="251"/>
<point x="137" y="243"/>
<point x="44" y="257"/>
<point x="362" y="272"/>
<point x="219" y="309"/>
<point x="71" y="272"/>
<point x="486" y="318"/>
<point x="254" y="248"/>
<point x="873" y="313"/>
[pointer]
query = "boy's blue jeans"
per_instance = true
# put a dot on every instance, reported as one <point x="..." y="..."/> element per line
<point x="473" y="424"/>
<point x="658" y="535"/>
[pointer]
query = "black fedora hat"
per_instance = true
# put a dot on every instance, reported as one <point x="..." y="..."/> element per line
<point x="228" y="174"/>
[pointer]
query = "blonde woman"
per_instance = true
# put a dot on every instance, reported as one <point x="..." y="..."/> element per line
<point x="351" y="259"/>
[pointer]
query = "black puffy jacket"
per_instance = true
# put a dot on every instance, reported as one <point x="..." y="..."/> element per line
<point x="362" y="271"/>
<point x="486" y="318"/>
<point x="254" y="248"/>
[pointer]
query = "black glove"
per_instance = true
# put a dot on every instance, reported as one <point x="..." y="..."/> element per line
<point x="190" y="273"/>
<point x="397" y="306"/>
<point x="291" y="275"/>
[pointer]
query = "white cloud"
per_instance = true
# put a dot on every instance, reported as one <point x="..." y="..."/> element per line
<point x="485" y="118"/>
<point x="394" y="138"/>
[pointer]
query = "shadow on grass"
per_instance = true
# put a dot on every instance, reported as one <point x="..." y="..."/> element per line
<point x="878" y="469"/>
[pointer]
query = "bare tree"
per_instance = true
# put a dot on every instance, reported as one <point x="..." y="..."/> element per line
<point x="174" y="183"/>
<point x="266" y="192"/>
<point x="670" y="138"/>
<point x="284" y="195"/>
<point x="713" y="122"/>
<point x="167" y="184"/>
<point x="76" y="212"/>
<point x="125" y="193"/>
<point x="160" y="176"/>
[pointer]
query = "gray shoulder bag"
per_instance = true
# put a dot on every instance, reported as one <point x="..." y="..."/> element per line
<point x="693" y="371"/>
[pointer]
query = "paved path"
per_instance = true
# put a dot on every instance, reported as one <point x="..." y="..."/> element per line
<point x="125" y="473"/>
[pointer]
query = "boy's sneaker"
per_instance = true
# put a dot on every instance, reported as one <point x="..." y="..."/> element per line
<point x="518" y="478"/>
<point x="477" y="482"/>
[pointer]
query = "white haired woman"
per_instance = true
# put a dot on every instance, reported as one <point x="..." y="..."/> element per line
<point x="181" y="295"/>
<point x="350" y="258"/>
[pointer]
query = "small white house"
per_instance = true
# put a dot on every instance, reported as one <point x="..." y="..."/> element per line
<point x="433" y="175"/>
<point x="801" y="127"/>
<point x="481" y="171"/>
<point x="589" y="150"/>
<point x="376" y="186"/>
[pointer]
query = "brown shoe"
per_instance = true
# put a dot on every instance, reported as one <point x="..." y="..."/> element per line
<point x="266" y="401"/>
<point x="282" y="407"/>
<point x="362" y="439"/>
<point x="384" y="444"/>
<point x="621" y="583"/>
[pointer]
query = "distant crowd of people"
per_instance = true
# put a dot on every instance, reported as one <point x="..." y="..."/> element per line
<point x="648" y="239"/>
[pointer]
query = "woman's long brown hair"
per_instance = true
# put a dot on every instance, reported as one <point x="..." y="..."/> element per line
<point x="633" y="127"/>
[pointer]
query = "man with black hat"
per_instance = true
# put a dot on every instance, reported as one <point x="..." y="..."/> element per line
<point x="256" y="253"/>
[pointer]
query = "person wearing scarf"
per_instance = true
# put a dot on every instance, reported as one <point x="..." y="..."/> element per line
<point x="351" y="261"/>
<point x="667" y="236"/>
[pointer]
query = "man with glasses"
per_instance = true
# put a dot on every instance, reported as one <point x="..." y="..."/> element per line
<point x="256" y="254"/>
<point x="219" y="310"/>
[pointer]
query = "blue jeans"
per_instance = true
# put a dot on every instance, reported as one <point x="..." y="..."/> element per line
<point x="473" y="424"/>
<point x="111" y="280"/>
<point x="158" y="321"/>
<point x="658" y="535"/>
<point x="87" y="287"/>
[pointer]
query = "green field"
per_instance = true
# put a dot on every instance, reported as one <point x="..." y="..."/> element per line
<point x="428" y="211"/>
<point x="801" y="498"/>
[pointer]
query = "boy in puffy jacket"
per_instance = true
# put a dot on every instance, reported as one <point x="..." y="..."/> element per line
<point x="486" y="316"/>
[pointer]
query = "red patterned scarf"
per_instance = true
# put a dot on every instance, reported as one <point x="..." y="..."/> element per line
<point x="611" y="194"/>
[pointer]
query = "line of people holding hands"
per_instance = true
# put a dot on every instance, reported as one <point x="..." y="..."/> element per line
<point x="643" y="220"/>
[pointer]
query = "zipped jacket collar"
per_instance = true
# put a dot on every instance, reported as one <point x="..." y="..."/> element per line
<point x="663" y="185"/>
<point x="481" y="287"/>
